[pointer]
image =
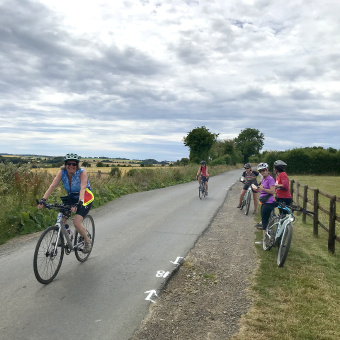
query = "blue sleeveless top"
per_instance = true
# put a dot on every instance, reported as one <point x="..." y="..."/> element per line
<point x="73" y="189"/>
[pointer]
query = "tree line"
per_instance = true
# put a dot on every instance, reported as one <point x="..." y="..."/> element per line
<point x="247" y="146"/>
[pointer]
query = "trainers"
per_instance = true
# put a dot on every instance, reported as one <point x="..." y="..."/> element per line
<point x="258" y="225"/>
<point x="87" y="248"/>
<point x="259" y="242"/>
<point x="239" y="206"/>
<point x="206" y="193"/>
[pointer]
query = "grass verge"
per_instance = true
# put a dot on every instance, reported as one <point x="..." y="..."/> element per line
<point x="300" y="300"/>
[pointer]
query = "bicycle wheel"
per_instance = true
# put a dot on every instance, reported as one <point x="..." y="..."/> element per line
<point x="88" y="223"/>
<point x="48" y="258"/>
<point x="272" y="223"/>
<point x="201" y="190"/>
<point x="285" y="244"/>
<point x="248" y="200"/>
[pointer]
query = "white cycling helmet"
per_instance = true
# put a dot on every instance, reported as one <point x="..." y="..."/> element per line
<point x="72" y="157"/>
<point x="262" y="166"/>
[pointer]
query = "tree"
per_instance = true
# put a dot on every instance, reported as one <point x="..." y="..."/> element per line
<point x="86" y="164"/>
<point x="199" y="141"/>
<point x="249" y="142"/>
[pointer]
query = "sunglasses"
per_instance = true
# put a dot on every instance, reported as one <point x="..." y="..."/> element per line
<point x="73" y="164"/>
<point x="263" y="170"/>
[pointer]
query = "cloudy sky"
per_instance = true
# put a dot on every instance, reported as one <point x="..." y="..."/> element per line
<point x="130" y="78"/>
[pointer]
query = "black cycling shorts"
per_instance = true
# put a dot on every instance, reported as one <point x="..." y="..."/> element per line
<point x="246" y="186"/>
<point x="83" y="210"/>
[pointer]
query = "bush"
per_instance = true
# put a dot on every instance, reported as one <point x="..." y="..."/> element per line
<point x="317" y="161"/>
<point x="225" y="159"/>
<point x="115" y="171"/>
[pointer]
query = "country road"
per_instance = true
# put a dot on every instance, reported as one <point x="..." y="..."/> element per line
<point x="140" y="239"/>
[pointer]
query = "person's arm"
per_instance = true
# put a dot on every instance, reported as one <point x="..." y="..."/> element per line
<point x="271" y="189"/>
<point x="83" y="185"/>
<point x="207" y="172"/>
<point x="51" y="188"/>
<point x="284" y="185"/>
<point x="198" y="172"/>
<point x="53" y="185"/>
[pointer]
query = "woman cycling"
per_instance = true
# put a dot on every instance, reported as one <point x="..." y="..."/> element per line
<point x="202" y="174"/>
<point x="248" y="178"/>
<point x="267" y="191"/>
<point x="79" y="192"/>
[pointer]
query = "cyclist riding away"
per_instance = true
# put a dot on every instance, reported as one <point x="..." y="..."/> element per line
<point x="267" y="191"/>
<point x="79" y="192"/>
<point x="203" y="175"/>
<point x="248" y="178"/>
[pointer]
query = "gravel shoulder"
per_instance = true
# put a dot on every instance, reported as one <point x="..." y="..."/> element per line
<point x="206" y="297"/>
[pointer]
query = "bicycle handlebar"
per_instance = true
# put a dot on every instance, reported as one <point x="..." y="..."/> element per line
<point x="283" y="205"/>
<point x="49" y="206"/>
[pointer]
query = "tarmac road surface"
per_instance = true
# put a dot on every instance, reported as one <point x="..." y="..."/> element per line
<point x="140" y="240"/>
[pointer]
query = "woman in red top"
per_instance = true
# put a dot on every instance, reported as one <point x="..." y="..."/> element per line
<point x="282" y="183"/>
<point x="202" y="174"/>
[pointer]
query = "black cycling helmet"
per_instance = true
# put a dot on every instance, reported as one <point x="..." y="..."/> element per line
<point x="280" y="165"/>
<point x="203" y="163"/>
<point x="71" y="157"/>
<point x="247" y="166"/>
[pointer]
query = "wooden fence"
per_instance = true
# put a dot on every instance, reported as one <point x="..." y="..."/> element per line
<point x="303" y="195"/>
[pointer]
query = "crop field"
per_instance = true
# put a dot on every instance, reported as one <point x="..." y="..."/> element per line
<point x="94" y="170"/>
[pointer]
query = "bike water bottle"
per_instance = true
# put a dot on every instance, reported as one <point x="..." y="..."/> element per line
<point x="67" y="227"/>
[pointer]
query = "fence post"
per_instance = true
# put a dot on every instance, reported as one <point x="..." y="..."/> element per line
<point x="331" y="236"/>
<point x="297" y="194"/>
<point x="292" y="188"/>
<point x="304" y="203"/>
<point x="316" y="213"/>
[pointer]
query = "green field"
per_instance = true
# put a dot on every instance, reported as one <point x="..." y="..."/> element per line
<point x="300" y="300"/>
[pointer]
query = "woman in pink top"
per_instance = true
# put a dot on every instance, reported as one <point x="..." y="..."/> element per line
<point x="202" y="174"/>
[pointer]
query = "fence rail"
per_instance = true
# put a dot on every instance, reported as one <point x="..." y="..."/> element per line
<point x="305" y="198"/>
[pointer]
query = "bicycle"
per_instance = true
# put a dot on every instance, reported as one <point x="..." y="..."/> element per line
<point x="246" y="200"/>
<point x="51" y="246"/>
<point x="201" y="188"/>
<point x="280" y="231"/>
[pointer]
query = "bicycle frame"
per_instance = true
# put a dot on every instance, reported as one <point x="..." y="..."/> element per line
<point x="61" y="226"/>
<point x="282" y="224"/>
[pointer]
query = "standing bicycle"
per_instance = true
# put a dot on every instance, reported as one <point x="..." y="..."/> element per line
<point x="56" y="240"/>
<point x="203" y="177"/>
<point x="246" y="200"/>
<point x="280" y="231"/>
<point x="249" y="177"/>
